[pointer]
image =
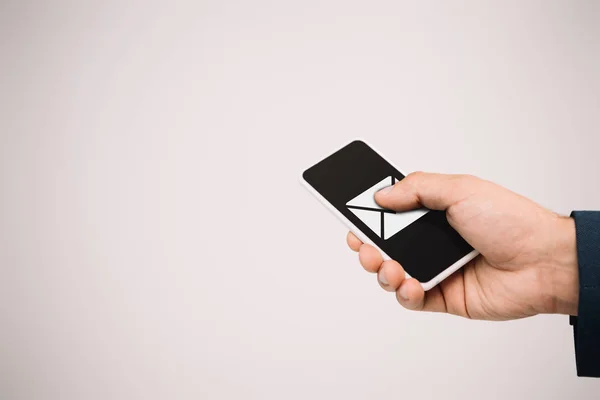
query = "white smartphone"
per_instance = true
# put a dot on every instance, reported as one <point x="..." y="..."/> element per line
<point x="422" y="240"/>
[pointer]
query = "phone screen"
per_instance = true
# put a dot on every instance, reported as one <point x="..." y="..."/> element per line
<point x="422" y="241"/>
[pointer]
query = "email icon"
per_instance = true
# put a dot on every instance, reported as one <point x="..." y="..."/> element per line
<point x="385" y="223"/>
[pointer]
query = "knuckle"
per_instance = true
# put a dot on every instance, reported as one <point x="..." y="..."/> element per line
<point x="468" y="179"/>
<point x="415" y="175"/>
<point x="412" y="179"/>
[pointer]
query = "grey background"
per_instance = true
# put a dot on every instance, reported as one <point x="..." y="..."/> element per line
<point x="155" y="242"/>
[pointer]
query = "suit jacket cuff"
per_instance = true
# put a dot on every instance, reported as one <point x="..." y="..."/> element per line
<point x="586" y="326"/>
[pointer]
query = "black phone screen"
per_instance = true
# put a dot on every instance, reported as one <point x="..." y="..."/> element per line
<point x="422" y="241"/>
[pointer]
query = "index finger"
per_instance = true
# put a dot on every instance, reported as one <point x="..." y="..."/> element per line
<point x="353" y="242"/>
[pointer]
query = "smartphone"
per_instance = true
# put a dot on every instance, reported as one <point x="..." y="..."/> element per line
<point x="421" y="240"/>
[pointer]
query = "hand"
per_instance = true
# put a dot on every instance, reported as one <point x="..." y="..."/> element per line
<point x="528" y="260"/>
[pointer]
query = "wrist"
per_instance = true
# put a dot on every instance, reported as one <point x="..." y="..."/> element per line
<point x="565" y="273"/>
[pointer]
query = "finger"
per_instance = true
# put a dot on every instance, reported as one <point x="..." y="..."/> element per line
<point x="370" y="258"/>
<point x="434" y="191"/>
<point x="391" y="275"/>
<point x="453" y="290"/>
<point x="412" y="296"/>
<point x="353" y="242"/>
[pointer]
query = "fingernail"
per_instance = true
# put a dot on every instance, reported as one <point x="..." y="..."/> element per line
<point x="382" y="279"/>
<point x="386" y="190"/>
<point x="402" y="293"/>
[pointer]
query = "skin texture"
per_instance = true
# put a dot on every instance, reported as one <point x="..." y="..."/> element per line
<point x="528" y="261"/>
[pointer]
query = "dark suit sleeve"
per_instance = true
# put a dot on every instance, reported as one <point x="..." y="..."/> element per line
<point x="586" y="326"/>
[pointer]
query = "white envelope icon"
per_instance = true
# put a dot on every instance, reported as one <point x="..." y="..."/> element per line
<point x="385" y="223"/>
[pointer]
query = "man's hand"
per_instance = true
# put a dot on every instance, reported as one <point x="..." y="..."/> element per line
<point x="528" y="261"/>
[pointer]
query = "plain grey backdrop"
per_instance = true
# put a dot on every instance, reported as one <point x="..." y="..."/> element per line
<point x="155" y="242"/>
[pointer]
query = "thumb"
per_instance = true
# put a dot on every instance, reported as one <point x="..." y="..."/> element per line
<point x="421" y="189"/>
